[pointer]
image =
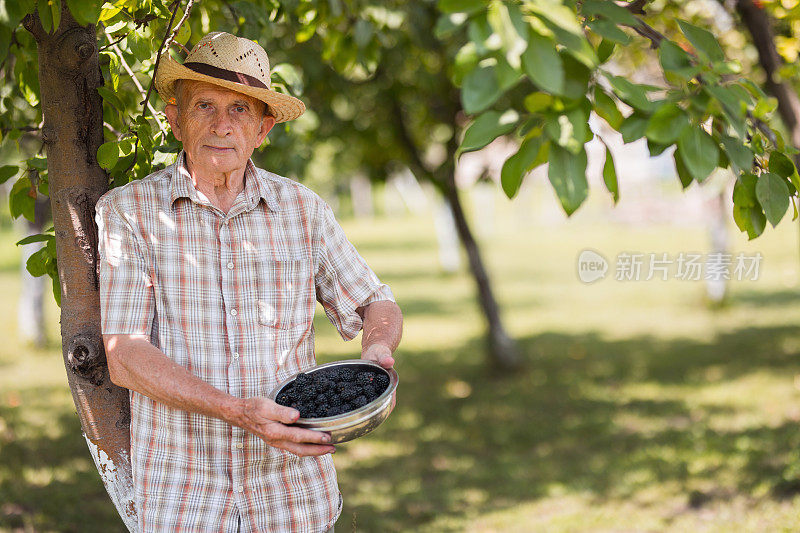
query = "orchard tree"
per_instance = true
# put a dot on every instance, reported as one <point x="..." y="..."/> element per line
<point x="393" y="80"/>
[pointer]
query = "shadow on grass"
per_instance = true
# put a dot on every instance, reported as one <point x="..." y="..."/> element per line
<point x="470" y="444"/>
<point x="461" y="444"/>
<point x="47" y="479"/>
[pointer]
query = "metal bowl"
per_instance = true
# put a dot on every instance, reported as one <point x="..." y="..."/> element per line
<point x="352" y="424"/>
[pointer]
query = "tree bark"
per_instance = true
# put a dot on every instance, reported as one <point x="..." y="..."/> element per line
<point x="69" y="75"/>
<point x="503" y="352"/>
<point x="502" y="348"/>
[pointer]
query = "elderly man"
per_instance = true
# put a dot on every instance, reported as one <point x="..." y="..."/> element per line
<point x="210" y="270"/>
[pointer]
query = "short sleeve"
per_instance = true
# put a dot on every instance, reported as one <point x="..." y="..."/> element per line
<point x="127" y="300"/>
<point x="343" y="280"/>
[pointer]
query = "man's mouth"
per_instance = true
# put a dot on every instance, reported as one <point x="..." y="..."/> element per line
<point x="220" y="148"/>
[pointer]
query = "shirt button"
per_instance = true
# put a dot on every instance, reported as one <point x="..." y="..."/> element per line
<point x="240" y="489"/>
<point x="239" y="445"/>
<point x="230" y="265"/>
<point x="236" y="355"/>
<point x="234" y="312"/>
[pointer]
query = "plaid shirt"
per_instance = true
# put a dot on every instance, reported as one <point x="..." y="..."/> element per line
<point x="231" y="297"/>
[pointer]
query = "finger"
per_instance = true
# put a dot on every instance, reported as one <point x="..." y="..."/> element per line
<point x="299" y="435"/>
<point x="281" y="413"/>
<point x="386" y="362"/>
<point x="303" y="450"/>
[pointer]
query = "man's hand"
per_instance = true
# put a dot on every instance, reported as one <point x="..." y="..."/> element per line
<point x="380" y="354"/>
<point x="267" y="420"/>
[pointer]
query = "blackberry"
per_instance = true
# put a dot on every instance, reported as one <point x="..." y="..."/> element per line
<point x="361" y="401"/>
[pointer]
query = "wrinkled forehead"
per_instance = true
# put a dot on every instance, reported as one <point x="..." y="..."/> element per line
<point x="190" y="90"/>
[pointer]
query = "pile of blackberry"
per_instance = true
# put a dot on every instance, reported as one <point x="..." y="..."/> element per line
<point x="334" y="390"/>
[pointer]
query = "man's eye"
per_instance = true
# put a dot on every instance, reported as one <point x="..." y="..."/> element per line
<point x="203" y="105"/>
<point x="240" y="109"/>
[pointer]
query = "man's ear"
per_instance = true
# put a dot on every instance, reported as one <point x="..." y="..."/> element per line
<point x="266" y="124"/>
<point x="172" y="117"/>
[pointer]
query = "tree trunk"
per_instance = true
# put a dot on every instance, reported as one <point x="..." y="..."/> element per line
<point x="502" y="348"/>
<point x="69" y="74"/>
<point x="503" y="352"/>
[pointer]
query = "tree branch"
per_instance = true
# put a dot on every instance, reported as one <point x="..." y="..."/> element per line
<point x="135" y="81"/>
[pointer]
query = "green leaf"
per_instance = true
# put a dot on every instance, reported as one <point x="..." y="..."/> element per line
<point x="39" y="237"/>
<point x="699" y="152"/>
<point x="516" y="166"/>
<point x="107" y="13"/>
<point x="543" y="65"/>
<point x="773" y="195"/>
<point x="17" y="9"/>
<point x="576" y="77"/>
<point x="608" y="30"/>
<point x="609" y="10"/>
<point x="49" y="14"/>
<point x="684" y="176"/>
<point x="783" y="166"/>
<point x="5" y="41"/>
<point x="739" y="155"/>
<point x="605" y="106"/>
<point x="461" y="6"/>
<point x="486" y="128"/>
<point x="633" y="127"/>
<point x="56" y="289"/>
<point x="113" y="68"/>
<point x="744" y="190"/>
<point x="750" y="220"/>
<point x="569" y="130"/>
<point x="111" y="97"/>
<point x="675" y="60"/>
<point x="703" y="41"/>
<point x="22" y="199"/>
<point x="633" y="94"/>
<point x="480" y="89"/>
<point x="610" y="176"/>
<point x="108" y="154"/>
<point x="567" y="174"/>
<point x="537" y="101"/>
<point x="37" y="263"/>
<point x="667" y="124"/>
<point x="563" y="23"/>
<point x="140" y="45"/>
<point x="604" y="50"/>
<point x="7" y="172"/>
<point x="85" y="11"/>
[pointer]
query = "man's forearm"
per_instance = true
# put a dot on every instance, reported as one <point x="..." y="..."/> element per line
<point x="136" y="364"/>
<point x="383" y="324"/>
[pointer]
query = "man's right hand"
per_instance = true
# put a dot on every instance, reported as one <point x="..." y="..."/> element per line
<point x="268" y="421"/>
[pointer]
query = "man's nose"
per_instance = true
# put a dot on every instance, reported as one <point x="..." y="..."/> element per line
<point x="221" y="124"/>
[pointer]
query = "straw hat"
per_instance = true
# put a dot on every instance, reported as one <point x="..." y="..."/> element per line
<point x="232" y="62"/>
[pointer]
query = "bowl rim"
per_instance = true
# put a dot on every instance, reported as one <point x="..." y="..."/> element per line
<point x="367" y="409"/>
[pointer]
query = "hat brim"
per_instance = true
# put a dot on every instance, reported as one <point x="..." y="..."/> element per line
<point x="281" y="106"/>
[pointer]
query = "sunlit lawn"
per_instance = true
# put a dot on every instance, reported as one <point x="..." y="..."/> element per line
<point x="639" y="408"/>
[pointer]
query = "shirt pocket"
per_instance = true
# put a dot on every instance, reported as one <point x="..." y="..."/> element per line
<point x="284" y="290"/>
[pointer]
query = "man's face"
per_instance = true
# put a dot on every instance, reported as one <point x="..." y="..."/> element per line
<point x="219" y="128"/>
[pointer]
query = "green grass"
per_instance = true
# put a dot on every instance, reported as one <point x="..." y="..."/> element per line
<point x="639" y="408"/>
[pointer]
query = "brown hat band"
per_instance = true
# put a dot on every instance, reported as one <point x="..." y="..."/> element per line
<point x="225" y="74"/>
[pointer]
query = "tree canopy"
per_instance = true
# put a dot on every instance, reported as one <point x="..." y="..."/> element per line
<point x="392" y="80"/>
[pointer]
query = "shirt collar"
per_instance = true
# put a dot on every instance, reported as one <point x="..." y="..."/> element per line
<point x="255" y="186"/>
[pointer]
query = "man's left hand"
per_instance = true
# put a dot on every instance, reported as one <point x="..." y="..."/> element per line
<point x="379" y="353"/>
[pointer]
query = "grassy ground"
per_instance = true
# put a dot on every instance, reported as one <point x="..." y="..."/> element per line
<point x="639" y="408"/>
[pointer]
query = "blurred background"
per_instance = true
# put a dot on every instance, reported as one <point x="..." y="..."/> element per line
<point x="641" y="371"/>
<point x="640" y="405"/>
